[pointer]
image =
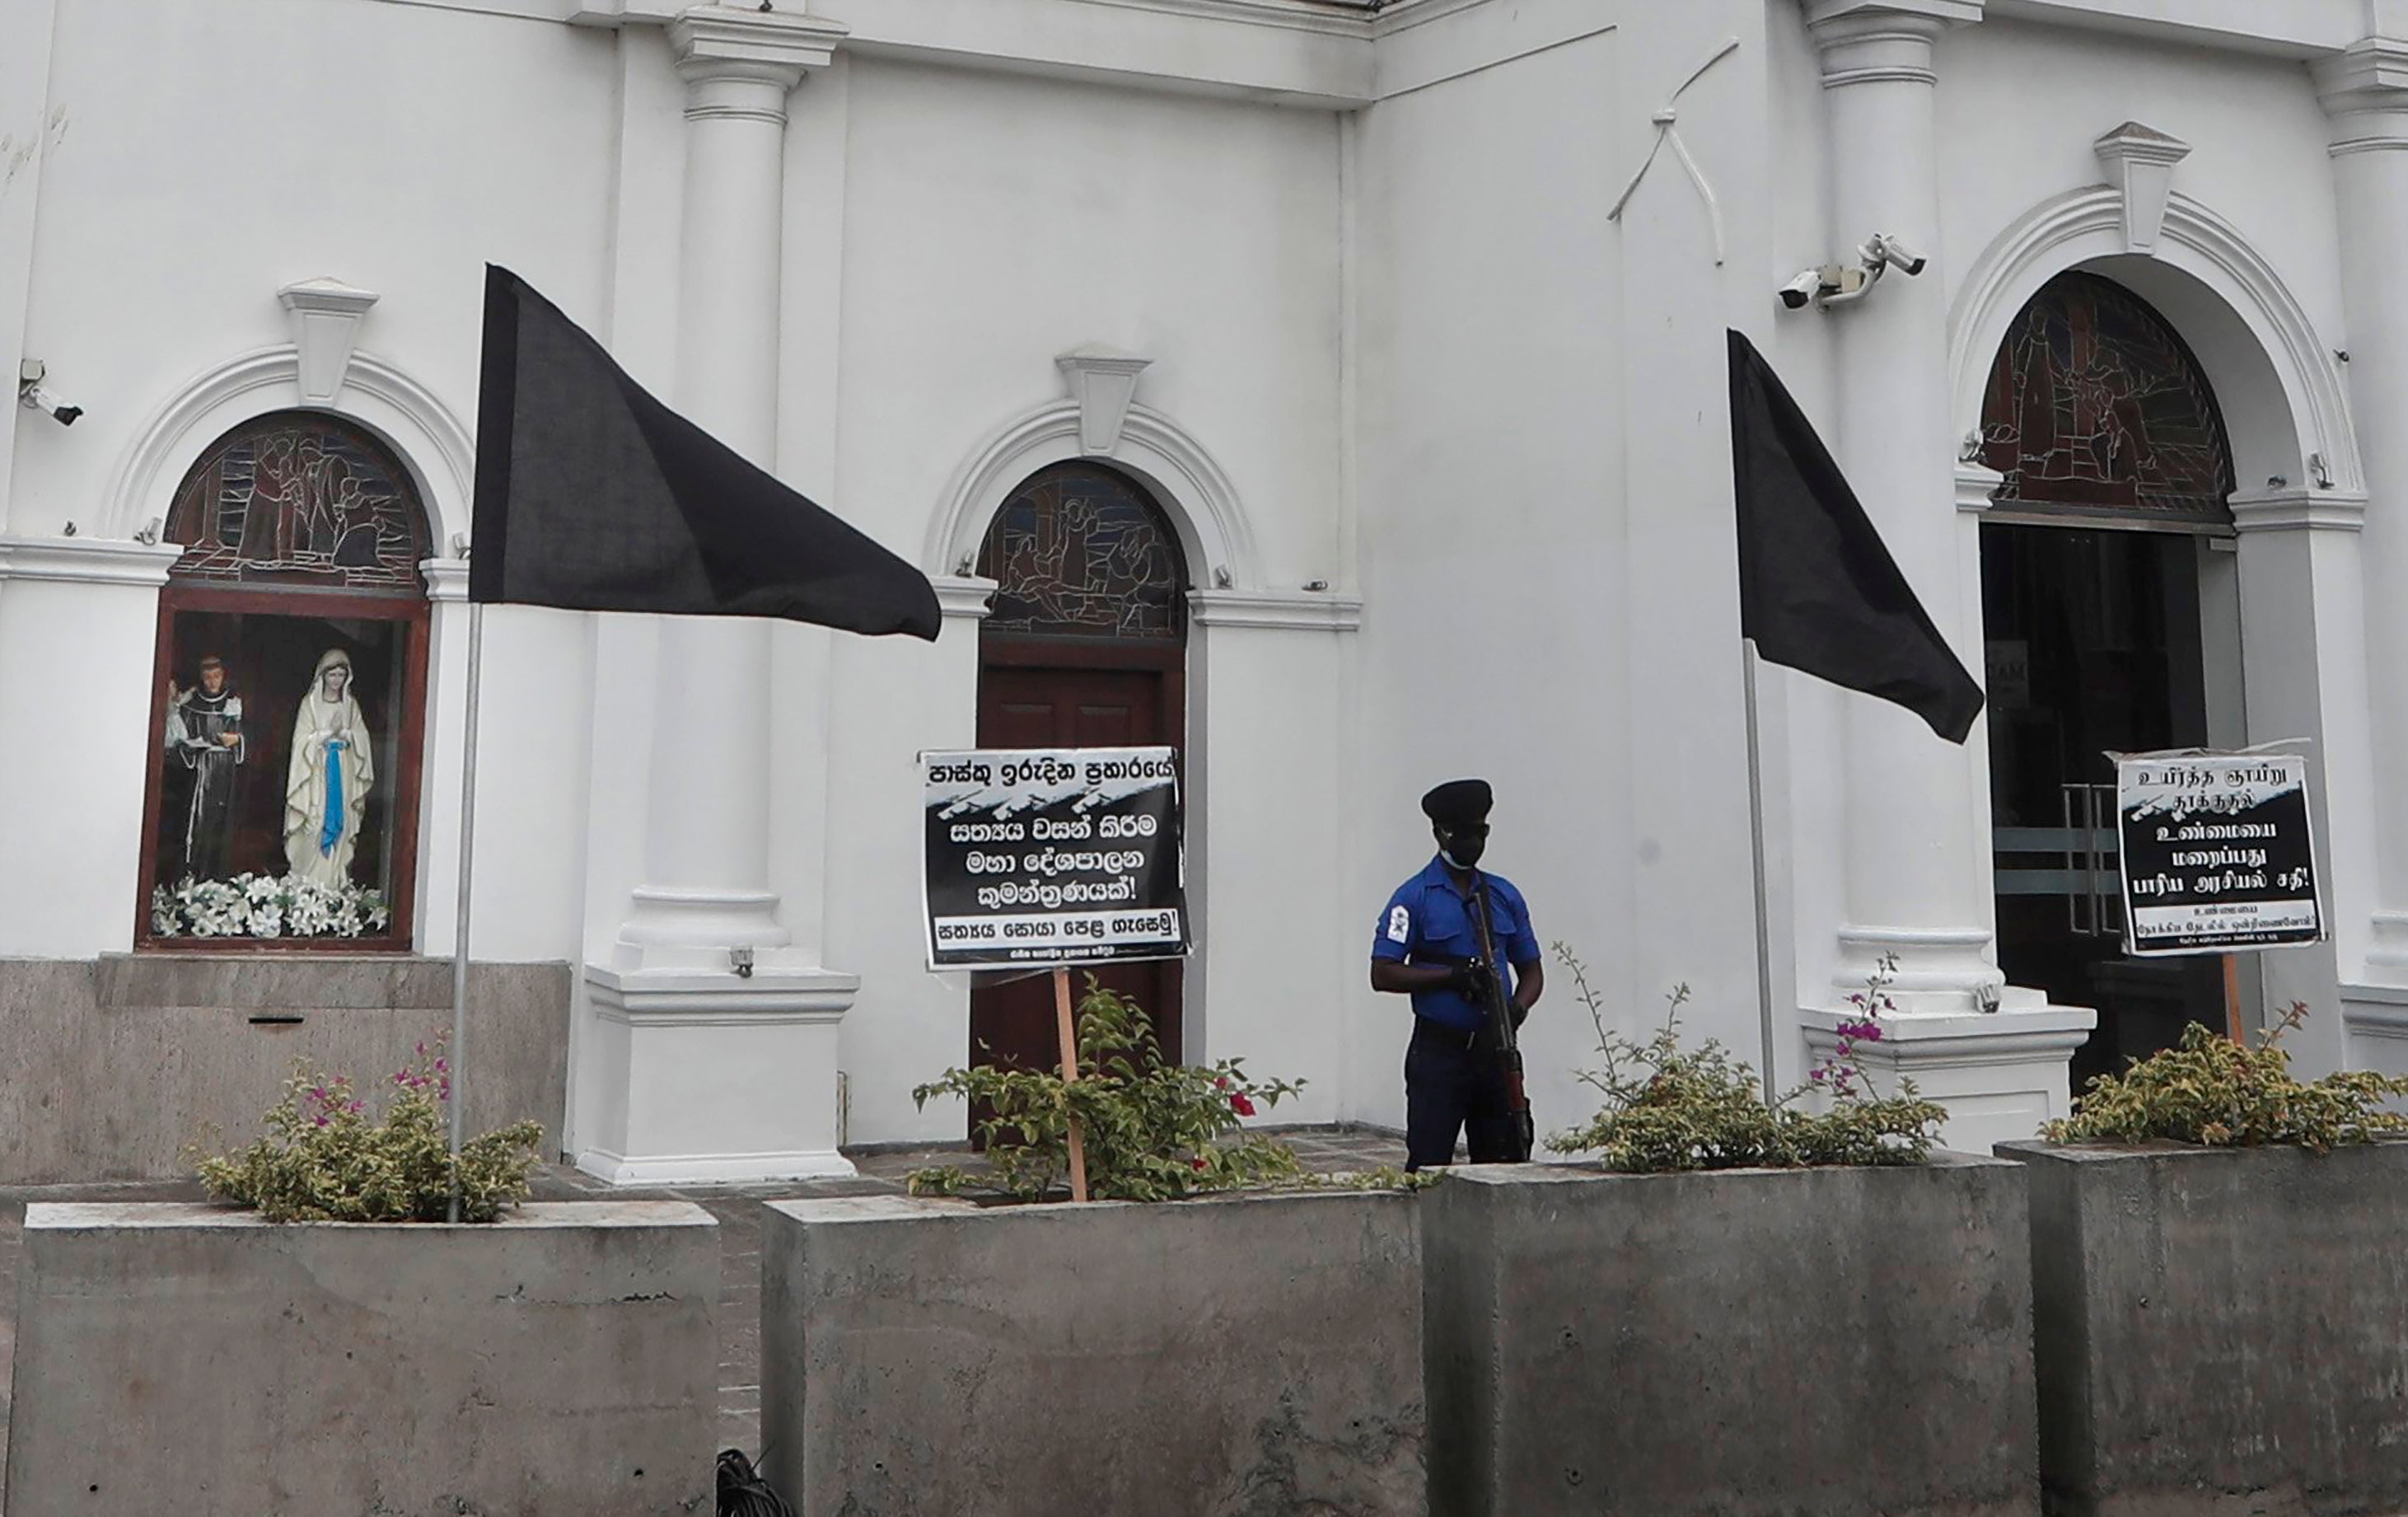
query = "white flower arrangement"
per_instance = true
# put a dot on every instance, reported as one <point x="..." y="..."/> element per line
<point x="266" y="906"/>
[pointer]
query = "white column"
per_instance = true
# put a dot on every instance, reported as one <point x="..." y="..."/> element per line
<point x="715" y="1046"/>
<point x="705" y="885"/>
<point x="1918" y="881"/>
<point x="2365" y="92"/>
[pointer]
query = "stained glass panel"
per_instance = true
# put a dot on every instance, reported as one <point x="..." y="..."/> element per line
<point x="2096" y="408"/>
<point x="299" y="498"/>
<point x="1080" y="551"/>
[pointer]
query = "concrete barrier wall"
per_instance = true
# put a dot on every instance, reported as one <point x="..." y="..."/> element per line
<point x="1799" y="1343"/>
<point x="1256" y="1354"/>
<point x="2220" y="1330"/>
<point x="194" y="1359"/>
<point x="114" y="1065"/>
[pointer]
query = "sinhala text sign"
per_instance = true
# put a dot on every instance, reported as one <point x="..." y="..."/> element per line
<point x="1051" y="856"/>
<point x="2216" y="853"/>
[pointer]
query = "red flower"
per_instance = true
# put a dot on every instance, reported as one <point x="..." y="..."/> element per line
<point x="1197" y="1162"/>
<point x="1240" y="1105"/>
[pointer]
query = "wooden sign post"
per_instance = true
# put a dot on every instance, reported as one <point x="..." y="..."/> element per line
<point x="1069" y="1035"/>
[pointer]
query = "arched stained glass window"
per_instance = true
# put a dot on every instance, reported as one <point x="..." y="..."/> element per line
<point x="2096" y="408"/>
<point x="299" y="498"/>
<point x="1083" y="551"/>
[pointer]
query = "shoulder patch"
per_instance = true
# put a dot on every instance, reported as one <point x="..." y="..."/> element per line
<point x="1400" y="924"/>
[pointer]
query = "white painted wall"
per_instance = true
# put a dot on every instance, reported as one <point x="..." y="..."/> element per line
<point x="1516" y="453"/>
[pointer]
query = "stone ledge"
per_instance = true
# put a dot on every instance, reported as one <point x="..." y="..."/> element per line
<point x="276" y="982"/>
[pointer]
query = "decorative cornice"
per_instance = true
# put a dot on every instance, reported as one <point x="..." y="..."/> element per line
<point x="447" y="579"/>
<point x="87" y="560"/>
<point x="1977" y="486"/>
<point x="1306" y="612"/>
<point x="964" y="596"/>
<point x="2140" y="162"/>
<point x="2365" y="92"/>
<point x="1912" y="1044"/>
<point x="1883" y="41"/>
<point x="1103" y="382"/>
<point x="326" y="316"/>
<point x="724" y="42"/>
<point x="2292" y="510"/>
<point x="767" y="998"/>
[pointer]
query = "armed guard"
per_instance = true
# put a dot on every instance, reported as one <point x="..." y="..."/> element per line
<point x="1462" y="1068"/>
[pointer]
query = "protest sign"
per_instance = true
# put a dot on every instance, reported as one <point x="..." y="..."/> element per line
<point x="2216" y="853"/>
<point x="1052" y="856"/>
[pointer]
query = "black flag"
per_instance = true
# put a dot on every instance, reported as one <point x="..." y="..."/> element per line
<point x="1817" y="590"/>
<point x="593" y="496"/>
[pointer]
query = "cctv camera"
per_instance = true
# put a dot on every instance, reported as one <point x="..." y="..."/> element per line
<point x="37" y="396"/>
<point x="1886" y="249"/>
<point x="1805" y="287"/>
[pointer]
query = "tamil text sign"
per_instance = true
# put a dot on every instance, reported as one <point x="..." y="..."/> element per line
<point x="2216" y="853"/>
<point x="1052" y="856"/>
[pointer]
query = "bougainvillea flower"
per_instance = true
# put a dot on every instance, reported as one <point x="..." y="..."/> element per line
<point x="1240" y="1105"/>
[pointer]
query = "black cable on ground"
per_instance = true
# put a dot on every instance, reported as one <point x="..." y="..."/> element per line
<point x="744" y="1494"/>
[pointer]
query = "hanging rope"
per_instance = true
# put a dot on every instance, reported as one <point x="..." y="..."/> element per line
<point x="1666" y="123"/>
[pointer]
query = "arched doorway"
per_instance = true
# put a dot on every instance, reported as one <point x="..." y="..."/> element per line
<point x="1086" y="646"/>
<point x="2110" y="616"/>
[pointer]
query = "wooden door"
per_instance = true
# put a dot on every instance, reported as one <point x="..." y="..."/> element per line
<point x="1065" y="694"/>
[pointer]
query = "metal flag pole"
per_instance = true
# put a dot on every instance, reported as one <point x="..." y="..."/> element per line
<point x="467" y="859"/>
<point x="1755" y="845"/>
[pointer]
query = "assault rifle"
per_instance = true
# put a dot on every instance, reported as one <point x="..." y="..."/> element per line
<point x="1494" y="1006"/>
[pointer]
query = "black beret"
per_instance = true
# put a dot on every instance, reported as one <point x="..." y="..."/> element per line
<point x="1458" y="804"/>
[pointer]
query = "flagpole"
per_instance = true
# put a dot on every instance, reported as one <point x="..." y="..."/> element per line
<point x="467" y="858"/>
<point x="1755" y="846"/>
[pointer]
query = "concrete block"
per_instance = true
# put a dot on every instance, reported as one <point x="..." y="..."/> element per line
<point x="1749" y="1343"/>
<point x="186" y="1358"/>
<point x="116" y="1064"/>
<point x="1256" y="1354"/>
<point x="2220" y="1331"/>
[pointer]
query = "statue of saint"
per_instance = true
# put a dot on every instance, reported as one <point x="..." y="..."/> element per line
<point x="327" y="779"/>
<point x="205" y="735"/>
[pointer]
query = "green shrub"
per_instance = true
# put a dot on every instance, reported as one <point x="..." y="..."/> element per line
<point x="1667" y="1108"/>
<point x="321" y="1159"/>
<point x="1152" y="1131"/>
<point x="2210" y="1089"/>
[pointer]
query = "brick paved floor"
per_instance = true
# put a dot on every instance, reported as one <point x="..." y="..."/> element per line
<point x="1324" y="1149"/>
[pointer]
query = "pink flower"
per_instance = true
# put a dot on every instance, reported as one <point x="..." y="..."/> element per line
<point x="1220" y="1082"/>
<point x="321" y="1120"/>
<point x="358" y="1107"/>
<point x="1240" y="1105"/>
<point x="422" y="1049"/>
<point x="441" y="1068"/>
<point x="402" y="1079"/>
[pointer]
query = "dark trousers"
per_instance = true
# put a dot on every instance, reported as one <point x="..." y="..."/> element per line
<point x="1455" y="1083"/>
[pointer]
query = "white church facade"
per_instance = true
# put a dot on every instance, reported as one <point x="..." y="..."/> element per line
<point x="1334" y="391"/>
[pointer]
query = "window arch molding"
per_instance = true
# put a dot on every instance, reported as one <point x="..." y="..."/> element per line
<point x="2284" y="396"/>
<point x="431" y="443"/>
<point x="1183" y="479"/>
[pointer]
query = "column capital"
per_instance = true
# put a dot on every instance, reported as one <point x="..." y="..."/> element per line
<point x="1883" y="41"/>
<point x="2364" y="88"/>
<point x="721" y="43"/>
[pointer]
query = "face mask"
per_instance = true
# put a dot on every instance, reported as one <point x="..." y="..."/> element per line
<point x="1463" y="852"/>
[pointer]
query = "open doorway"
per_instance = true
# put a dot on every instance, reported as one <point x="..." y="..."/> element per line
<point x="2112" y="624"/>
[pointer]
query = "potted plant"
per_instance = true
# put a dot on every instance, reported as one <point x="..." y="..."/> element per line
<point x="1732" y="1305"/>
<point x="2219" y="1296"/>
<point x="319" y="1338"/>
<point x="1214" y="1333"/>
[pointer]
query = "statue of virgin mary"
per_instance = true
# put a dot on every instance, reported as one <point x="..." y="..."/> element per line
<point x="326" y="780"/>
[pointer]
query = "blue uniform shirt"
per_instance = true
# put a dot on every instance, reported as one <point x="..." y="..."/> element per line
<point x="1427" y="921"/>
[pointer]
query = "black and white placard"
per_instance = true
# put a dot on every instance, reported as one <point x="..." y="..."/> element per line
<point x="2216" y="853"/>
<point x="1052" y="856"/>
